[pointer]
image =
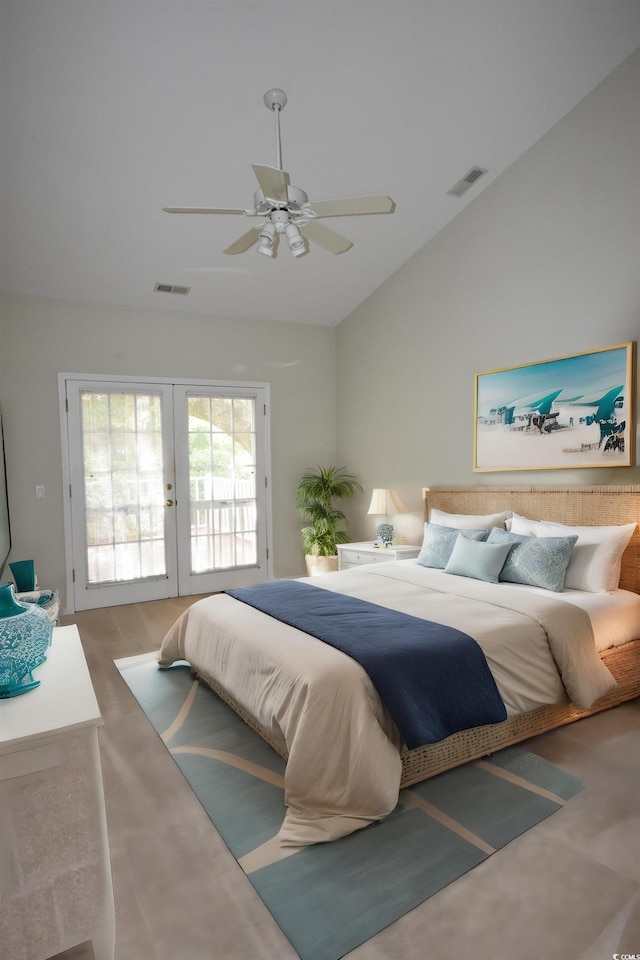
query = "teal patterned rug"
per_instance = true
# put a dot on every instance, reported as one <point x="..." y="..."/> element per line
<point x="328" y="899"/>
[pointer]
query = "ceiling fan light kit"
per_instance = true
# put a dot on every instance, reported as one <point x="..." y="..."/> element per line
<point x="287" y="209"/>
<point x="266" y="239"/>
<point x="296" y="240"/>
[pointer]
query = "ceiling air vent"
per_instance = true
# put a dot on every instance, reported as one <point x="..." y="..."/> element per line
<point x="170" y="288"/>
<point x="461" y="187"/>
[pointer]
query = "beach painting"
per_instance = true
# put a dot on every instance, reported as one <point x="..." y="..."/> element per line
<point x="574" y="411"/>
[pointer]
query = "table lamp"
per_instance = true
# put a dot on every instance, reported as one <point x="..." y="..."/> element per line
<point x="384" y="503"/>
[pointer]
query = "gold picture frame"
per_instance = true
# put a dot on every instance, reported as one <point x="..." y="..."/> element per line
<point x="574" y="411"/>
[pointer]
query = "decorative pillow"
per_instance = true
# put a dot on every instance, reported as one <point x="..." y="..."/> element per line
<point x="473" y="558"/>
<point x="464" y="521"/>
<point x="596" y="558"/>
<point x="537" y="561"/>
<point x="439" y="542"/>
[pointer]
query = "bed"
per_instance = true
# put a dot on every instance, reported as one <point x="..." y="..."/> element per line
<point x="555" y="658"/>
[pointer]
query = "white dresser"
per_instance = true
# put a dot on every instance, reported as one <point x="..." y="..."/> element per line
<point x="55" y="873"/>
<point x="354" y="554"/>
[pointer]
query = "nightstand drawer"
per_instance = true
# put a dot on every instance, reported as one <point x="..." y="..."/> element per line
<point x="353" y="558"/>
<point x="378" y="556"/>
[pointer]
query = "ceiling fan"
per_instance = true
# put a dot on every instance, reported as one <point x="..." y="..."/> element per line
<point x="285" y="209"/>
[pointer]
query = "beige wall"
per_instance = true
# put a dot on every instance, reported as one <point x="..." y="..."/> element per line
<point x="544" y="263"/>
<point x="40" y="338"/>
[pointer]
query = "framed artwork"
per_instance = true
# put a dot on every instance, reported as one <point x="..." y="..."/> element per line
<point x="574" y="411"/>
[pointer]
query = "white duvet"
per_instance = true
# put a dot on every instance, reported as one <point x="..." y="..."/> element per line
<point x="344" y="767"/>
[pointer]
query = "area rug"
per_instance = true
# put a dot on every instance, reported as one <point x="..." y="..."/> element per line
<point x="329" y="898"/>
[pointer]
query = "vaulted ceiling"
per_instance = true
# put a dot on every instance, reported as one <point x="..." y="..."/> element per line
<point x="113" y="109"/>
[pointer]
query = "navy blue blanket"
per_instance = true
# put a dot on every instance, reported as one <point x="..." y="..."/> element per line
<point x="434" y="680"/>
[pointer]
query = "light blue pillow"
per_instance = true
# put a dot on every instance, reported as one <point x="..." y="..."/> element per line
<point x="537" y="561"/>
<point x="473" y="558"/>
<point x="439" y="542"/>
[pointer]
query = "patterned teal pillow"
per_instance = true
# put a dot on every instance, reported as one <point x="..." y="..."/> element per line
<point x="473" y="558"/>
<point x="439" y="542"/>
<point x="537" y="561"/>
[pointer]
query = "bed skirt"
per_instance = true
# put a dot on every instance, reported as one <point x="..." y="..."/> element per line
<point x="623" y="662"/>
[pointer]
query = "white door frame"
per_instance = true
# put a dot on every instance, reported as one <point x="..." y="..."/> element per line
<point x="63" y="378"/>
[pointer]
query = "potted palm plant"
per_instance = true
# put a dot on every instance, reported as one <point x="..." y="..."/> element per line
<point x="326" y="524"/>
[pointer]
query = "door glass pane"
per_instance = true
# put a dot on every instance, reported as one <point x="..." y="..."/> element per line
<point x="222" y="484"/>
<point x="123" y="484"/>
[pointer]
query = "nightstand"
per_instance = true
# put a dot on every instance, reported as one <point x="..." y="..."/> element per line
<point x="355" y="554"/>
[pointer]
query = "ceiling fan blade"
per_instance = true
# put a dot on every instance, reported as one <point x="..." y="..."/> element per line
<point x="273" y="183"/>
<point x="244" y="242"/>
<point x="204" y="210"/>
<point x="324" y="237"/>
<point x="352" y="206"/>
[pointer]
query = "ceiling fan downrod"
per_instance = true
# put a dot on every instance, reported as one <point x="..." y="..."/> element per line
<point x="276" y="100"/>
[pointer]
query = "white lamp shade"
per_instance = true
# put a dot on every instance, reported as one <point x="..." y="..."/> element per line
<point x="384" y="503"/>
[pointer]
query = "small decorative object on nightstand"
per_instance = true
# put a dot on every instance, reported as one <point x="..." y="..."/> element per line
<point x="355" y="554"/>
<point x="385" y="503"/>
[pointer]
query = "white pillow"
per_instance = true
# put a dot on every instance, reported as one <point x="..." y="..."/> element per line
<point x="466" y="521"/>
<point x="595" y="562"/>
<point x="522" y="525"/>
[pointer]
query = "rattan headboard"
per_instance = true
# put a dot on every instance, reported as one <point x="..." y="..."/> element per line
<point x="582" y="506"/>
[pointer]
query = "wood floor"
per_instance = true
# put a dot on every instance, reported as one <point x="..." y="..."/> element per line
<point x="569" y="889"/>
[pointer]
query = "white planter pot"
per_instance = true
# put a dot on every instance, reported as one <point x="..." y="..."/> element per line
<point x="318" y="565"/>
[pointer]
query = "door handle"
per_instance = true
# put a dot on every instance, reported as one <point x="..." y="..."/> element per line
<point x="169" y="503"/>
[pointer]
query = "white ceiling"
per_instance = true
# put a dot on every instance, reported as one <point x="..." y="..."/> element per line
<point x="112" y="109"/>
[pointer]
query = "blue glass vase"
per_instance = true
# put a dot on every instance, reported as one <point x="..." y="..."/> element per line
<point x="25" y="636"/>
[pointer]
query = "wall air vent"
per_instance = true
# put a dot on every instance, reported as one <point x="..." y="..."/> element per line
<point x="170" y="288"/>
<point x="461" y="187"/>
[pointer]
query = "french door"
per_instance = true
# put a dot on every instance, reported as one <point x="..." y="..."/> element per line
<point x="167" y="489"/>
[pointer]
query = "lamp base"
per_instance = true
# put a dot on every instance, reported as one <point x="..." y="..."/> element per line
<point x="385" y="533"/>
